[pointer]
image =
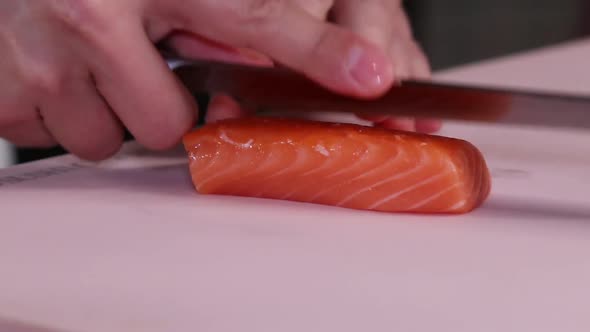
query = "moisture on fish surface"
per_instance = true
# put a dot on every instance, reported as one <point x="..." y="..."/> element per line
<point x="346" y="165"/>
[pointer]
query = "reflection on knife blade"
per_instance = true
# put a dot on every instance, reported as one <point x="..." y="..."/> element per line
<point x="280" y="89"/>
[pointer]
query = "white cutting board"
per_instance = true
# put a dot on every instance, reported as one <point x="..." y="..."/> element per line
<point x="129" y="246"/>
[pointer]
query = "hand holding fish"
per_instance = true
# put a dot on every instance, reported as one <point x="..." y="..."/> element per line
<point x="77" y="72"/>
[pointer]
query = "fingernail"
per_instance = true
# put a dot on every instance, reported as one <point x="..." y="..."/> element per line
<point x="369" y="69"/>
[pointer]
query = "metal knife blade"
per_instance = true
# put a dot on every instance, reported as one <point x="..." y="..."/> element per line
<point x="280" y="89"/>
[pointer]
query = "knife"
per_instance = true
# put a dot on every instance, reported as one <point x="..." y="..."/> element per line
<point x="280" y="89"/>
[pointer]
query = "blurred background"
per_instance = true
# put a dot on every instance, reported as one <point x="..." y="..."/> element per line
<point x="456" y="32"/>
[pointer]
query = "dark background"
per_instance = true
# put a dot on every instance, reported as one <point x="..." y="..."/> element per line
<point x="454" y="32"/>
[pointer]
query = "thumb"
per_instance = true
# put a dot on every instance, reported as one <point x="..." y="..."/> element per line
<point x="332" y="56"/>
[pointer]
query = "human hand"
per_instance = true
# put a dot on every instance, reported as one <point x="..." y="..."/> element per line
<point x="76" y="72"/>
<point x="383" y="23"/>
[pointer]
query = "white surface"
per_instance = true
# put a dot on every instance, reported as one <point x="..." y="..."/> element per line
<point x="561" y="68"/>
<point x="129" y="246"/>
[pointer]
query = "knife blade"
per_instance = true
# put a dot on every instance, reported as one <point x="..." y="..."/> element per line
<point x="280" y="89"/>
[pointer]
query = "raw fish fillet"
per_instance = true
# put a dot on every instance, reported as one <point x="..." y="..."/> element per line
<point x="346" y="165"/>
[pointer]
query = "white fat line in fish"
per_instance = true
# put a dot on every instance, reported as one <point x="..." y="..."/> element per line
<point x="194" y="150"/>
<point x="470" y="163"/>
<point x="223" y="136"/>
<point x="345" y="169"/>
<point x="198" y="160"/>
<point x="400" y="155"/>
<point x="479" y="174"/>
<point x="434" y="196"/>
<point x="458" y="205"/>
<point x="322" y="150"/>
<point x="359" y="164"/>
<point x="327" y="163"/>
<point x="236" y="167"/>
<point x="391" y="197"/>
<point x="453" y="169"/>
<point x="300" y="160"/>
<point x="267" y="163"/>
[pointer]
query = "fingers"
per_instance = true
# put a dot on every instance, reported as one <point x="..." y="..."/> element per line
<point x="141" y="89"/>
<point x="405" y="124"/>
<point x="28" y="134"/>
<point x="401" y="23"/>
<point x="317" y="8"/>
<point x="371" y="19"/>
<point x="329" y="54"/>
<point x="192" y="46"/>
<point x="80" y="120"/>
<point x="403" y="39"/>
<point x="386" y="24"/>
<point x="290" y="35"/>
<point x="415" y="67"/>
<point x="419" y="65"/>
<point x="20" y="120"/>
<point x="411" y="60"/>
<point x="412" y="63"/>
<point x="428" y="126"/>
<point x="223" y="107"/>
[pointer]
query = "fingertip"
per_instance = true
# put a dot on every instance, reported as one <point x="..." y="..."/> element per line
<point x="375" y="118"/>
<point x="163" y="128"/>
<point x="142" y="91"/>
<point x="428" y="126"/>
<point x="372" y="23"/>
<point x="403" y="124"/>
<point x="103" y="151"/>
<point x="370" y="70"/>
<point x="224" y="107"/>
<point x="332" y="56"/>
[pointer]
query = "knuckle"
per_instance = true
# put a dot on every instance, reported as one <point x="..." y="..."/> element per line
<point x="318" y="8"/>
<point x="262" y="10"/>
<point x="81" y="15"/>
<point x="45" y="79"/>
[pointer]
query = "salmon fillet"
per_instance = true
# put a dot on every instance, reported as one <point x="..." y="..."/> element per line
<point x="346" y="165"/>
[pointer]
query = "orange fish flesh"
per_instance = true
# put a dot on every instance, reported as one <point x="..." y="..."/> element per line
<point x="345" y="165"/>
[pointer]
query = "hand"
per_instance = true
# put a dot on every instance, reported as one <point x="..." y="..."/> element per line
<point x="383" y="23"/>
<point x="76" y="72"/>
